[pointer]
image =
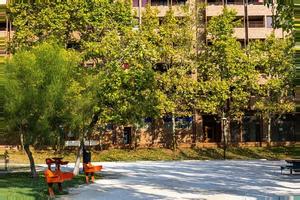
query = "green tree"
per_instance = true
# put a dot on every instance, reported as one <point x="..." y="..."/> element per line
<point x="173" y="40"/>
<point x="36" y="82"/>
<point x="274" y="61"/>
<point x="228" y="78"/>
<point x="77" y="24"/>
<point x="283" y="14"/>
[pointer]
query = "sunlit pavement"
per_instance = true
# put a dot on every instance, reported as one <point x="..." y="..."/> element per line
<point x="211" y="180"/>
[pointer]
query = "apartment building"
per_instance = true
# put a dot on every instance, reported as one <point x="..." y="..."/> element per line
<point x="256" y="23"/>
<point x="256" y="18"/>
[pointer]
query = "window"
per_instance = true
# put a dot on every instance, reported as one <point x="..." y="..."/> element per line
<point x="239" y="19"/>
<point x="214" y="2"/>
<point x="235" y="2"/>
<point x="179" y="2"/>
<point x="269" y="22"/>
<point x="159" y="2"/>
<point x="184" y="122"/>
<point x="256" y="22"/>
<point x="127" y="135"/>
<point x="2" y="26"/>
<point x="256" y="2"/>
<point x="135" y="3"/>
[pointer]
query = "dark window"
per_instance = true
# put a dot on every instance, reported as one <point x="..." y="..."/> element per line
<point x="256" y="2"/>
<point x="184" y="122"/>
<point x="256" y="22"/>
<point x="240" y="21"/>
<point x="159" y="2"/>
<point x="214" y="2"/>
<point x="235" y="2"/>
<point x="127" y="135"/>
<point x="179" y="2"/>
<point x="242" y="42"/>
<point x="135" y="3"/>
<point x="2" y="26"/>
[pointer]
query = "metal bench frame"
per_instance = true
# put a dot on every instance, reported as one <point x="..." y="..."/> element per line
<point x="291" y="168"/>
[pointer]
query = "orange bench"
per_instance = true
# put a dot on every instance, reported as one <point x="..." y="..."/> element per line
<point x="57" y="176"/>
<point x="89" y="168"/>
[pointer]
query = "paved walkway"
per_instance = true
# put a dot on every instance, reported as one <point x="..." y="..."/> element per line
<point x="202" y="180"/>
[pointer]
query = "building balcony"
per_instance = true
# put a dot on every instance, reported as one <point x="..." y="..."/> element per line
<point x="239" y="33"/>
<point x="262" y="33"/>
<point x="257" y="33"/>
<point x="258" y="10"/>
<point x="3" y="34"/>
<point x="215" y="9"/>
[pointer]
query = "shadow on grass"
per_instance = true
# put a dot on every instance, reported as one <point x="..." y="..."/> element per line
<point x="201" y="154"/>
<point x="21" y="186"/>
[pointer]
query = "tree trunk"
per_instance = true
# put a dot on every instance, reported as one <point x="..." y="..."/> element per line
<point x="78" y="157"/>
<point x="58" y="148"/>
<point x="79" y="150"/>
<point x="174" y="145"/>
<point x="31" y="160"/>
<point x="100" y="140"/>
<point x="135" y="133"/>
<point x="269" y="129"/>
<point x="241" y="131"/>
<point x="224" y="134"/>
<point x="22" y="140"/>
<point x="197" y="127"/>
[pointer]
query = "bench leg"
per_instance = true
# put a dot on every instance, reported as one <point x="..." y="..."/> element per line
<point x="92" y="178"/>
<point x="50" y="190"/>
<point x="291" y="171"/>
<point x="59" y="187"/>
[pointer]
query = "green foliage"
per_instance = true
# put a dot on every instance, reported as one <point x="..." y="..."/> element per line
<point x="273" y="59"/>
<point x="173" y="41"/>
<point x="35" y="90"/>
<point x="227" y="76"/>
<point x="283" y="14"/>
<point x="73" y="23"/>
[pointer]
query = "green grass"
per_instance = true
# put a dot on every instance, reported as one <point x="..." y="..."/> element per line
<point x="272" y="153"/>
<point x="20" y="186"/>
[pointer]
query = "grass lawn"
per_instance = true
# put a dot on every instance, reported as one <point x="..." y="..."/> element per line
<point x="272" y="153"/>
<point x="19" y="186"/>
